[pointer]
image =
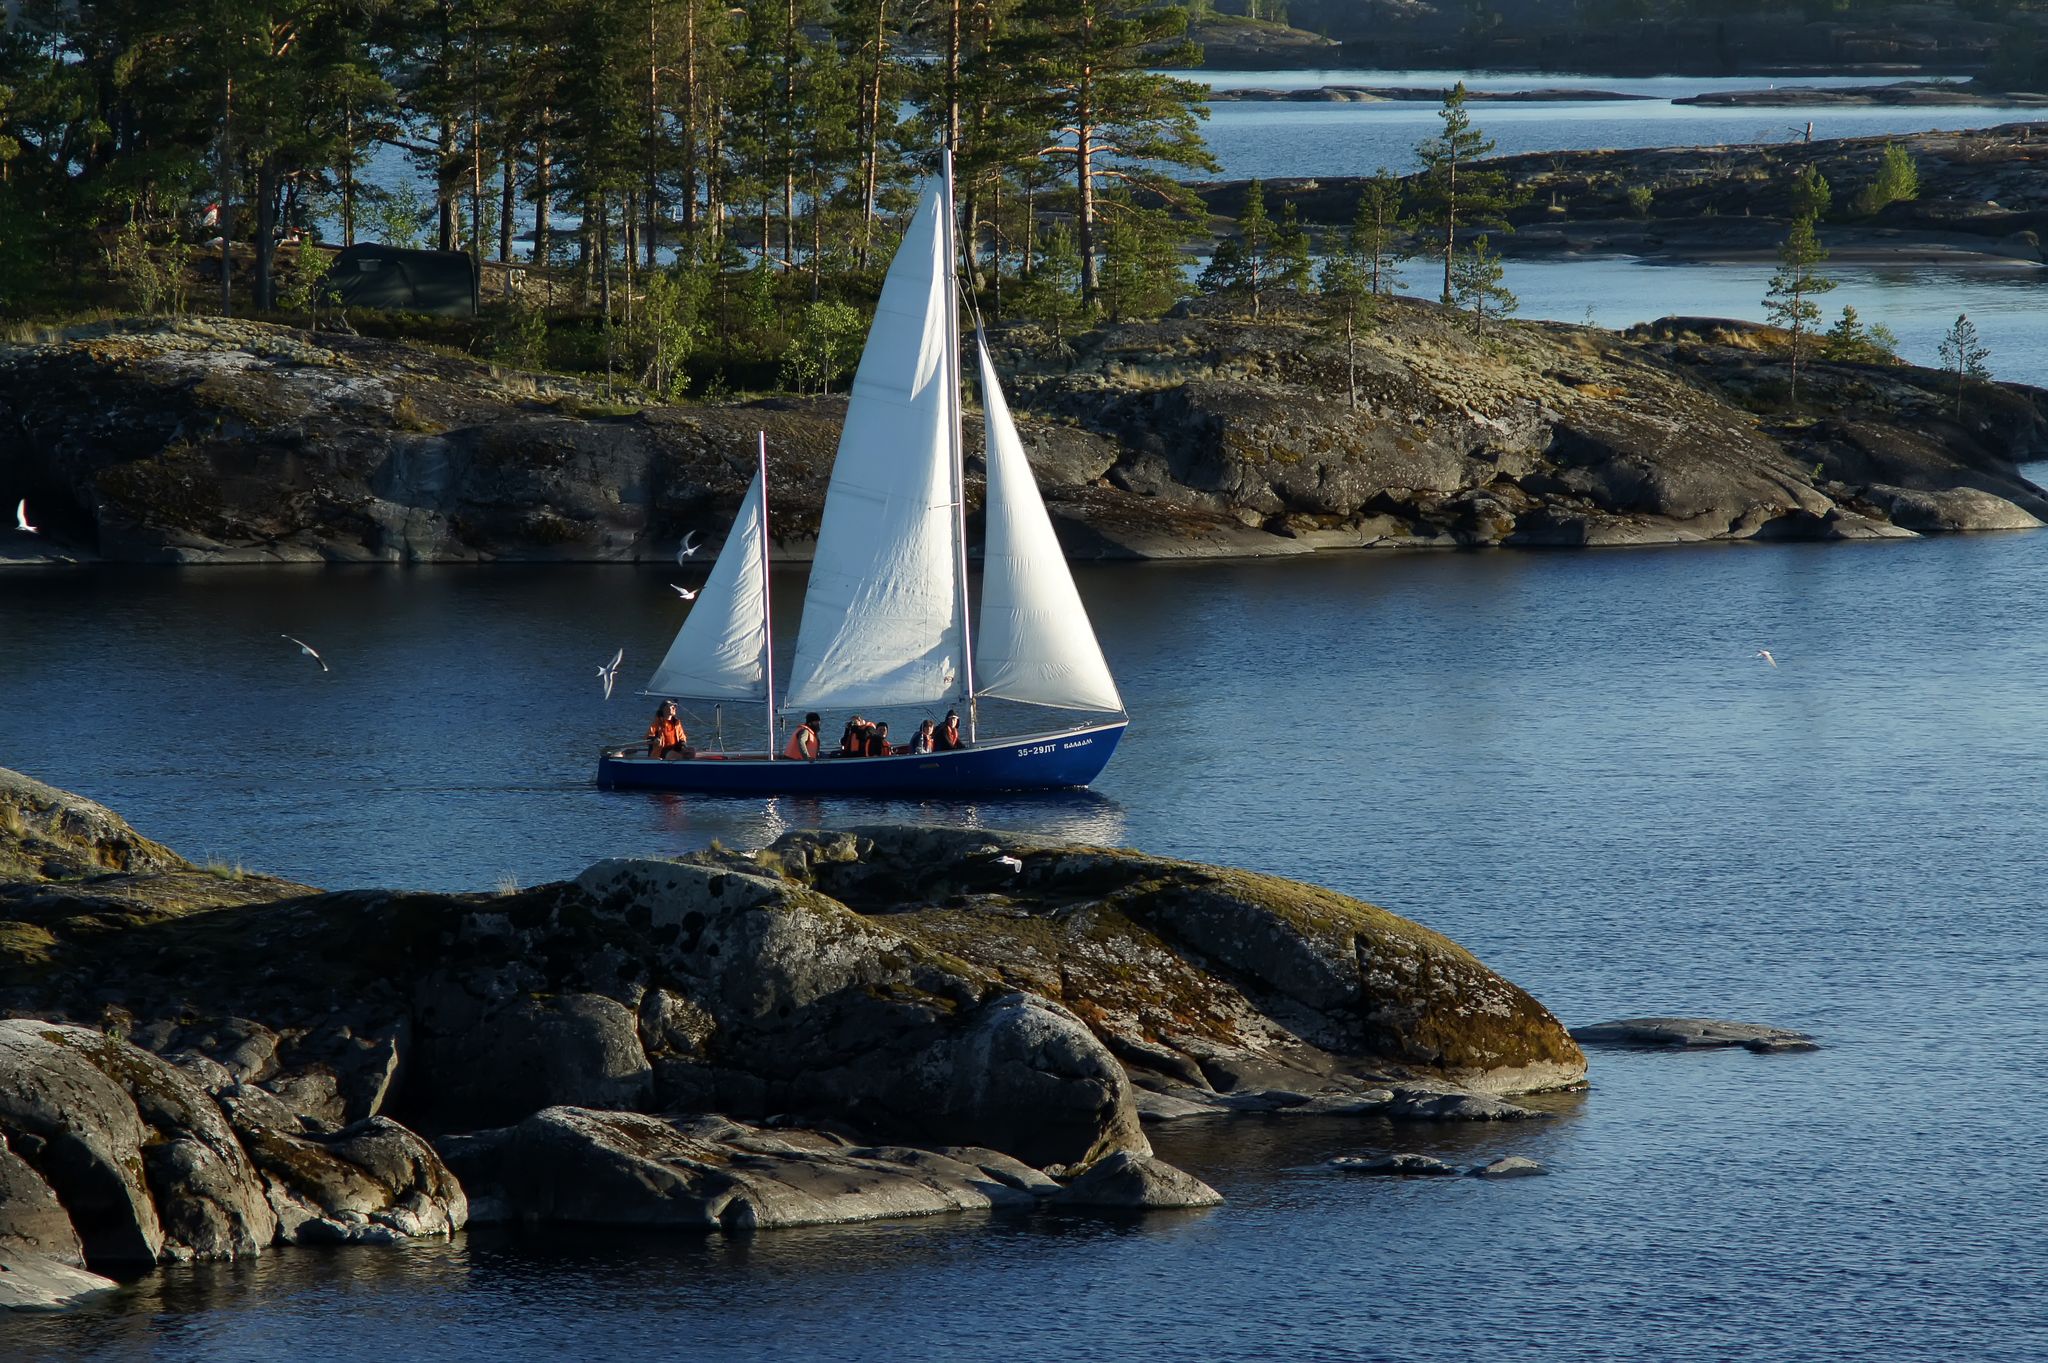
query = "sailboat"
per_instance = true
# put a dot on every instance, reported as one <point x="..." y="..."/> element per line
<point x="885" y="619"/>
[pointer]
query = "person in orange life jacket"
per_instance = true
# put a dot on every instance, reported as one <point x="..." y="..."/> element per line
<point x="665" y="735"/>
<point x="878" y="741"/>
<point x="922" y="742"/>
<point x="948" y="736"/>
<point x="803" y="744"/>
<point x="854" y="742"/>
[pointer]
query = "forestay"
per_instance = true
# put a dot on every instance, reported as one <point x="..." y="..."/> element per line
<point x="880" y="622"/>
<point x="1034" y="642"/>
<point x="718" y="653"/>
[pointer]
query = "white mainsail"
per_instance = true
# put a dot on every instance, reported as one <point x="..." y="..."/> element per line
<point x="720" y="652"/>
<point x="1033" y="642"/>
<point x="881" y="622"/>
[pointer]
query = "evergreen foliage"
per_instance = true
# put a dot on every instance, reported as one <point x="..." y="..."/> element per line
<point x="1849" y="339"/>
<point x="1052" y="297"/>
<point x="605" y="132"/>
<point x="1898" y="181"/>
<point x="1244" y="264"/>
<point x="1964" y="355"/>
<point x="1346" y="282"/>
<point x="1789" y="301"/>
<point x="1478" y="285"/>
<point x="1454" y="196"/>
<point x="1292" y="268"/>
<point x="1380" y="229"/>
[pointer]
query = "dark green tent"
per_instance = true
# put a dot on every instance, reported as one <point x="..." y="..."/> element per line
<point x="370" y="275"/>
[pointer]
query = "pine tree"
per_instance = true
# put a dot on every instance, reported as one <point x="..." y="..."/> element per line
<point x="1347" y="282"/>
<point x="1244" y="262"/>
<point x="1789" y="302"/>
<point x="1811" y="195"/>
<point x="1479" y="285"/>
<point x="1453" y="195"/>
<point x="1898" y="181"/>
<point x="1086" y="67"/>
<point x="1849" y="339"/>
<point x="1380" y="226"/>
<point x="1963" y="355"/>
<point x="1292" y="268"/>
<point x="1053" y="297"/>
<point x="1141" y="266"/>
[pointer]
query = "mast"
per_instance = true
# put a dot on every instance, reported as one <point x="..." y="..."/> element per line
<point x="767" y="606"/>
<point x="958" y="445"/>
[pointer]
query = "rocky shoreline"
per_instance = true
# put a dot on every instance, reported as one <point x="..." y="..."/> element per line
<point x="198" y="1064"/>
<point x="1203" y="434"/>
<point x="1983" y="194"/>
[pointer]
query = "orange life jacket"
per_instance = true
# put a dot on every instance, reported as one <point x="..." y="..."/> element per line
<point x="947" y="737"/>
<point x="803" y="744"/>
<point x="664" y="734"/>
<point x="878" y="746"/>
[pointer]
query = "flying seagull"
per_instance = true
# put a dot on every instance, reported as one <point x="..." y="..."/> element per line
<point x="307" y="649"/>
<point x="609" y="673"/>
<point x="689" y="549"/>
<point x="1765" y="654"/>
<point x="684" y="592"/>
<point x="1011" y="862"/>
<point x="21" y="517"/>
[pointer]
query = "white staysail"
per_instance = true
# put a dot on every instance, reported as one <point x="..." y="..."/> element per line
<point x="1033" y="642"/>
<point x="719" y="652"/>
<point x="881" y="619"/>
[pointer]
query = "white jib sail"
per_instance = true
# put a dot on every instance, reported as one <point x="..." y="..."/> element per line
<point x="717" y="654"/>
<point x="880" y="623"/>
<point x="1033" y="641"/>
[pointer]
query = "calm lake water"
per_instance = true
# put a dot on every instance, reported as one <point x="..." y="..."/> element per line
<point x="1283" y="138"/>
<point x="1570" y="762"/>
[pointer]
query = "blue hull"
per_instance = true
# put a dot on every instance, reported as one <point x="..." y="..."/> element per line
<point x="1055" y="761"/>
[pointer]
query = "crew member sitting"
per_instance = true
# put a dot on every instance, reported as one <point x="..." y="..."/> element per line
<point x="854" y="742"/>
<point x="878" y="741"/>
<point x="665" y="736"/>
<point x="922" y="741"/>
<point x="803" y="744"/>
<point x="948" y="737"/>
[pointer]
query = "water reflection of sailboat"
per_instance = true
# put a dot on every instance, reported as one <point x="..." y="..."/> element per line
<point x="885" y="618"/>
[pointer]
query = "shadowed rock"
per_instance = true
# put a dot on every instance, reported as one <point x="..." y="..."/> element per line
<point x="1693" y="1033"/>
<point x="1137" y="1183"/>
<point x="1404" y="1164"/>
<point x="710" y="1174"/>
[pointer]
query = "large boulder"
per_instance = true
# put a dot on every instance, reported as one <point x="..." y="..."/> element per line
<point x="32" y="1220"/>
<point x="1200" y="977"/>
<point x="46" y="832"/>
<point x="139" y="1156"/>
<point x="711" y="1174"/>
<point x="578" y="1049"/>
<point x="374" y="1181"/>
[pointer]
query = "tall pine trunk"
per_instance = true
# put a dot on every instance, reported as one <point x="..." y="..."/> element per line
<point x="225" y="216"/>
<point x="508" y="203"/>
<point x="689" y="157"/>
<point x="444" y="199"/>
<point x="653" y="132"/>
<point x="266" y="234"/>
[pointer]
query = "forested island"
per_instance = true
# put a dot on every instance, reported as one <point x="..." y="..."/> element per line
<point x="680" y="213"/>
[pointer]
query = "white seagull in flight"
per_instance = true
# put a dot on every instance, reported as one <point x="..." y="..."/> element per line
<point x="1765" y="654"/>
<point x="689" y="549"/>
<point x="21" y="516"/>
<point x="684" y="592"/>
<point x="307" y="649"/>
<point x="609" y="673"/>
